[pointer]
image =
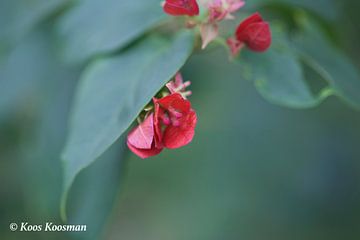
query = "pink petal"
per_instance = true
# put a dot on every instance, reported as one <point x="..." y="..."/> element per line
<point x="235" y="5"/>
<point x="173" y="85"/>
<point x="144" y="153"/>
<point x="142" y="136"/>
<point x="178" y="79"/>
<point x="216" y="11"/>
<point x="235" y="46"/>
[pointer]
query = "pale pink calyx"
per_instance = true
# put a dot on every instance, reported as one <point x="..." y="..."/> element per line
<point x="209" y="32"/>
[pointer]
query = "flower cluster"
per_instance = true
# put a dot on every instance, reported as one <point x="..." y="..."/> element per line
<point x="253" y="32"/>
<point x="169" y="122"/>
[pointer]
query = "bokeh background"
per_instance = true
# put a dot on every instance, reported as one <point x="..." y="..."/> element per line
<point x="254" y="170"/>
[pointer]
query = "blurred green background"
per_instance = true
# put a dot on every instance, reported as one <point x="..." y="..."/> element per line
<point x="254" y="170"/>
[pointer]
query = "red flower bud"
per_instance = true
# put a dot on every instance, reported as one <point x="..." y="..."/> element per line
<point x="181" y="7"/>
<point x="255" y="33"/>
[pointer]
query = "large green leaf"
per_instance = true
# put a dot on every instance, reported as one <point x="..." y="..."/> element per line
<point x="336" y="68"/>
<point x="113" y="91"/>
<point x="278" y="75"/>
<point x="93" y="26"/>
<point x="20" y="16"/>
<point x="27" y="68"/>
<point x="36" y="86"/>
<point x="92" y="197"/>
<point x="282" y="73"/>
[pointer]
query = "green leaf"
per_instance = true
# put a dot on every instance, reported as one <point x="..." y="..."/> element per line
<point x="18" y="17"/>
<point x="278" y="75"/>
<point x="50" y="113"/>
<point x="327" y="9"/>
<point x="113" y="91"/>
<point x="26" y="69"/>
<point x="282" y="73"/>
<point x="94" y="192"/>
<point x="330" y="63"/>
<point x="94" y="27"/>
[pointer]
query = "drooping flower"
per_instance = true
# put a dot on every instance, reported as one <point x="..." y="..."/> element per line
<point x="175" y="121"/>
<point x="169" y="121"/>
<point x="254" y="32"/>
<point x="181" y="7"/>
<point x="141" y="139"/>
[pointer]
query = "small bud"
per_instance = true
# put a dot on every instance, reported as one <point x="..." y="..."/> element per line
<point x="255" y="33"/>
<point x="181" y="7"/>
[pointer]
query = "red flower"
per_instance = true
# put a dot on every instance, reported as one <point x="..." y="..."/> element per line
<point x="175" y="121"/>
<point x="255" y="33"/>
<point x="141" y="139"/>
<point x="181" y="7"/>
<point x="172" y="126"/>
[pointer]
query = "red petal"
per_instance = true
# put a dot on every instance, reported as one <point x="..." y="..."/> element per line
<point x="166" y="102"/>
<point x="175" y="137"/>
<point x="159" y="112"/>
<point x="144" y="153"/>
<point x="142" y="136"/>
<point x="256" y="17"/>
<point x="175" y="101"/>
<point x="181" y="7"/>
<point x="257" y="36"/>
